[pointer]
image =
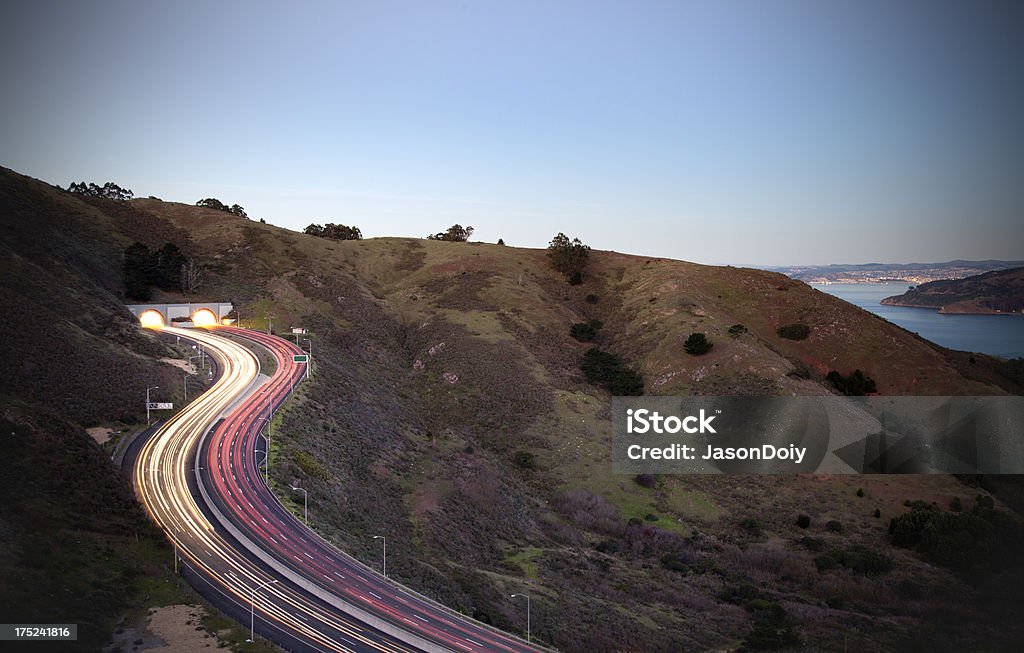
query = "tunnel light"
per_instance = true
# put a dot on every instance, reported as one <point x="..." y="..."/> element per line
<point x="204" y="317"/>
<point x="151" y="319"/>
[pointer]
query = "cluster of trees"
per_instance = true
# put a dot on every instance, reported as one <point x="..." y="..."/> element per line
<point x="568" y="257"/>
<point x="797" y="331"/>
<point x="455" y="234"/>
<point x="166" y="268"/>
<point x="109" y="190"/>
<point x="607" y="369"/>
<point x="857" y="384"/>
<point x="585" y="331"/>
<point x="214" y="203"/>
<point x="334" y="231"/>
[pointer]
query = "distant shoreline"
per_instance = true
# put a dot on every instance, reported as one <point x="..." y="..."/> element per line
<point x="951" y="310"/>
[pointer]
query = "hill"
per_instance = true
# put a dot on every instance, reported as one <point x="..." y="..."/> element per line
<point x="1000" y="291"/>
<point x="447" y="410"/>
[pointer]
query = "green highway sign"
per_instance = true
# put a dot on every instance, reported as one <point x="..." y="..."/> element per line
<point x="300" y="358"/>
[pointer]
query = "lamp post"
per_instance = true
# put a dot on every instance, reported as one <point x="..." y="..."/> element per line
<point x="266" y="436"/>
<point x="310" y="361"/>
<point x="252" y="609"/>
<point x="527" y="597"/>
<point x="149" y="422"/>
<point x="385" y="541"/>
<point x="305" y="503"/>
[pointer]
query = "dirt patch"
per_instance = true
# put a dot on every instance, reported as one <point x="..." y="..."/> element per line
<point x="170" y="629"/>
<point x="99" y="433"/>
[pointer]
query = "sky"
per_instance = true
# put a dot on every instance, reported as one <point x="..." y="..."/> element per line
<point x="759" y="133"/>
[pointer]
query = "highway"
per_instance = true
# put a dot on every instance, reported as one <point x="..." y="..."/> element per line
<point x="235" y="535"/>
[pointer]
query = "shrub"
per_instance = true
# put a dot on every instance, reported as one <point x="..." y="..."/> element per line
<point x="737" y="330"/>
<point x="592" y="298"/>
<point x="751" y="526"/>
<point x="858" y="558"/>
<point x="524" y="460"/>
<point x="855" y="385"/>
<point x="834" y="526"/>
<point x="606" y="369"/>
<point x="812" y="543"/>
<point x="568" y="257"/>
<point x="860" y="492"/>
<point x="651" y="517"/>
<point x="803" y="521"/>
<point x="501" y="241"/>
<point x="773" y="628"/>
<point x="697" y="344"/>
<point x="645" y="480"/>
<point x="672" y="562"/>
<point x="878" y="513"/>
<point x="957" y="505"/>
<point x="583" y="332"/>
<point x="794" y="331"/>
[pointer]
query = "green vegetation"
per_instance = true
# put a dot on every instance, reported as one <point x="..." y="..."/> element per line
<point x="109" y="190"/>
<point x="803" y="521"/>
<point x="857" y="558"/>
<point x="166" y="268"/>
<point x="794" y="331"/>
<point x="773" y="628"/>
<point x="607" y="370"/>
<point x="333" y="231"/>
<point x="216" y="204"/>
<point x="737" y="330"/>
<point x="982" y="540"/>
<point x="568" y="257"/>
<point x="455" y="234"/>
<point x="857" y="384"/>
<point x="697" y="344"/>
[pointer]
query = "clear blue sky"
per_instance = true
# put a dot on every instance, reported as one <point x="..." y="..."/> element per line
<point x="727" y="132"/>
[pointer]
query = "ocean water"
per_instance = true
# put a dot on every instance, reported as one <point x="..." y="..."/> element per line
<point x="999" y="335"/>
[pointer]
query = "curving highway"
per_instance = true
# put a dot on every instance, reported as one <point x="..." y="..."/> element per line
<point x="199" y="478"/>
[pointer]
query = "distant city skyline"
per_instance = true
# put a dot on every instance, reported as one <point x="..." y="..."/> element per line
<point x="779" y="133"/>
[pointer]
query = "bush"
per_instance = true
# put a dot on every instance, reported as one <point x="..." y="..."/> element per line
<point x="606" y="369"/>
<point x="834" y="526"/>
<point x="697" y="344"/>
<point x="645" y="480"/>
<point x="860" y="492"/>
<point x="568" y="257"/>
<point x="583" y="332"/>
<point x="524" y="460"/>
<point x="592" y="298"/>
<point x="857" y="558"/>
<point x="878" y="513"/>
<point x="737" y="330"/>
<point x="751" y="526"/>
<point x="855" y="385"/>
<point x="803" y="521"/>
<point x="773" y="628"/>
<point x="794" y="331"/>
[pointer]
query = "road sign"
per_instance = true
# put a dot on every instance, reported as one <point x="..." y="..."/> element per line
<point x="300" y="358"/>
<point x="159" y="405"/>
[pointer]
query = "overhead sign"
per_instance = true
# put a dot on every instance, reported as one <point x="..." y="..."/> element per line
<point x="300" y="358"/>
<point x="159" y="405"/>
<point x="300" y="330"/>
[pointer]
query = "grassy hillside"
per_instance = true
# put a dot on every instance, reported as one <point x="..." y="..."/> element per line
<point x="447" y="410"/>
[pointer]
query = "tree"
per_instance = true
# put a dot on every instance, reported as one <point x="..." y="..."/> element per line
<point x="857" y="384"/>
<point x="167" y="264"/>
<point x="697" y="344"/>
<point x="191" y="277"/>
<point x="239" y="211"/>
<point x="138" y="272"/>
<point x="455" y="234"/>
<point x="568" y="257"/>
<point x="109" y="190"/>
<point x="314" y="230"/>
<point x="213" y="203"/>
<point x="341" y="232"/>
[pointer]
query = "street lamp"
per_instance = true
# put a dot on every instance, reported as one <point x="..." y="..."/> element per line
<point x="385" y="541"/>
<point x="252" y="610"/>
<point x="305" y="503"/>
<point x="266" y="436"/>
<point x="155" y="387"/>
<point x="527" y="597"/>
<point x="309" y="362"/>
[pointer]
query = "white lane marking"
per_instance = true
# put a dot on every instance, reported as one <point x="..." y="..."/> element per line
<point x="473" y="641"/>
<point x="307" y="555"/>
<point x="377" y="595"/>
<point x="421" y="618"/>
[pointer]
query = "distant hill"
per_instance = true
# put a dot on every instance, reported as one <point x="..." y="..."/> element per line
<point x="992" y="292"/>
<point x="885" y="272"/>
<point x="448" y="410"/>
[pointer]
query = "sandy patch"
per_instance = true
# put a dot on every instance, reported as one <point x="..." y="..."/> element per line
<point x="179" y="627"/>
<point x="177" y="362"/>
<point x="99" y="433"/>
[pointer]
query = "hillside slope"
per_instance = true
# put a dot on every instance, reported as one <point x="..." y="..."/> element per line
<point x="1000" y="291"/>
<point x="447" y="411"/>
